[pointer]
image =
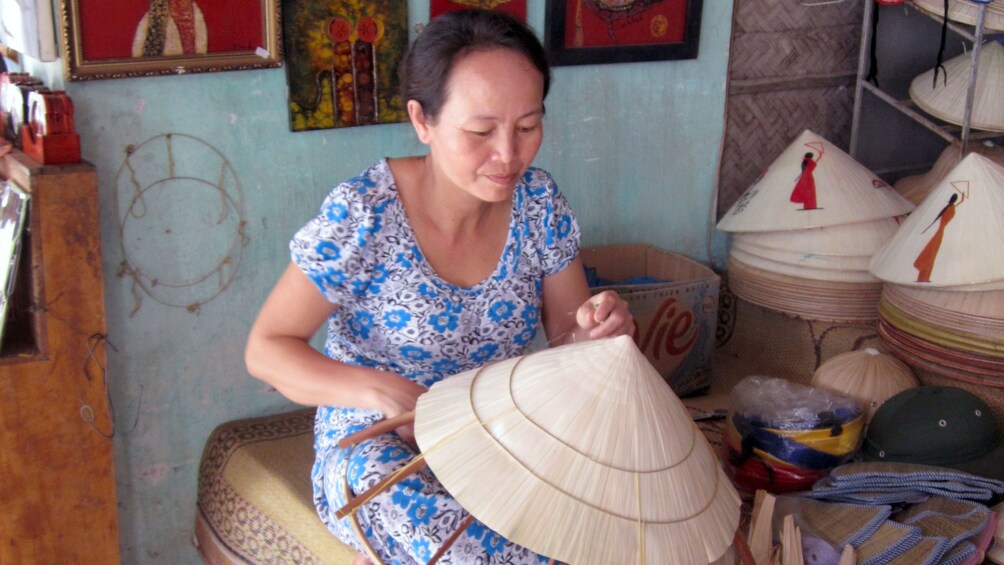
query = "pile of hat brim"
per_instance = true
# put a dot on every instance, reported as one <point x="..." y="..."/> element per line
<point x="812" y="263"/>
<point x="953" y="324"/>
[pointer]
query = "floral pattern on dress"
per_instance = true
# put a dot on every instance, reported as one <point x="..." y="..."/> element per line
<point x="395" y="314"/>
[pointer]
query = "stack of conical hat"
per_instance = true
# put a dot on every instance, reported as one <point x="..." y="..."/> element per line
<point x="966" y="11"/>
<point x="803" y="239"/>
<point x="945" y="98"/>
<point x="915" y="188"/>
<point x="942" y="307"/>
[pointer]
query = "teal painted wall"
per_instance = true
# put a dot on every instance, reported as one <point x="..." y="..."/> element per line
<point x="634" y="147"/>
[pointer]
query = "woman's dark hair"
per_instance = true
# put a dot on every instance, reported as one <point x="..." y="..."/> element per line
<point x="426" y="69"/>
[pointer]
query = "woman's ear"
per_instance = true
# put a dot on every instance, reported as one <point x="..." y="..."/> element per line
<point x="418" y="120"/>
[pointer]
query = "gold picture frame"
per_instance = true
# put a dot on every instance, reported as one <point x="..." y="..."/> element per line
<point x="105" y="39"/>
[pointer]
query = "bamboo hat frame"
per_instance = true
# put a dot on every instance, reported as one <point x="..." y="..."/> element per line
<point x="580" y="452"/>
<point x="812" y="184"/>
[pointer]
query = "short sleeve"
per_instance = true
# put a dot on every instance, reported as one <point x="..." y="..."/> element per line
<point x="559" y="228"/>
<point x="331" y="249"/>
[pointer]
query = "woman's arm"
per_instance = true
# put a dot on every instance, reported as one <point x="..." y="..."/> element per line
<point x="570" y="314"/>
<point x="279" y="353"/>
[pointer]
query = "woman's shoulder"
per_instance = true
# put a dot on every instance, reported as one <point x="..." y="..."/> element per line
<point x="372" y="187"/>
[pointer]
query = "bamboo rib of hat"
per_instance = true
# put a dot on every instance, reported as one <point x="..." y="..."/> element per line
<point x="966" y="11"/>
<point x="947" y="100"/>
<point x="812" y="184"/>
<point x="581" y="453"/>
<point x="953" y="239"/>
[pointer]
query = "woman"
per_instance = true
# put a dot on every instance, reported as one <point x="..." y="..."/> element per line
<point x="924" y="263"/>
<point x="424" y="267"/>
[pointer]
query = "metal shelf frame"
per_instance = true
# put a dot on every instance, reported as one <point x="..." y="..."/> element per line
<point x="906" y="107"/>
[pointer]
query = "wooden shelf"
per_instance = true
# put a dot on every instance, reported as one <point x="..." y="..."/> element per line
<point x="56" y="458"/>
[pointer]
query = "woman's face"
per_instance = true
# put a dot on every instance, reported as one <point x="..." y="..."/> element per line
<point x="490" y="127"/>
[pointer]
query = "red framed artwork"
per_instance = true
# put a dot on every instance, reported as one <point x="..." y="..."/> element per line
<point x="128" y="38"/>
<point x="515" y="8"/>
<point x="588" y="32"/>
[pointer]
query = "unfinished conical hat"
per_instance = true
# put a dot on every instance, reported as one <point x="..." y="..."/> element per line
<point x="966" y="11"/>
<point x="864" y="238"/>
<point x="953" y="239"/>
<point x="868" y="375"/>
<point x="812" y="184"/>
<point x="581" y="453"/>
<point x="947" y="100"/>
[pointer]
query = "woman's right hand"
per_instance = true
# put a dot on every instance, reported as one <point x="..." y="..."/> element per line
<point x="393" y="395"/>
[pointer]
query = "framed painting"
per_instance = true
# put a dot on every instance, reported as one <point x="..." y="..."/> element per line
<point x="129" y="38"/>
<point x="342" y="60"/>
<point x="590" y="32"/>
<point x="515" y="8"/>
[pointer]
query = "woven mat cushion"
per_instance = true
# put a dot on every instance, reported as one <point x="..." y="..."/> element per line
<point x="255" y="492"/>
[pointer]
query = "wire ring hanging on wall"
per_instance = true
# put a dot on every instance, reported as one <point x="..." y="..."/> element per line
<point x="175" y="196"/>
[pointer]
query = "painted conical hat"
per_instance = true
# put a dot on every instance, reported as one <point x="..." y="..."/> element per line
<point x="802" y="259"/>
<point x="915" y="188"/>
<point x="954" y="236"/>
<point x="834" y="189"/>
<point x="947" y="100"/>
<point x="581" y="453"/>
<point x="868" y="375"/>
<point x="965" y="11"/>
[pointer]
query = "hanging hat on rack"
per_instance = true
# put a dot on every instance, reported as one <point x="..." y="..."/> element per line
<point x="966" y="11"/>
<point x="589" y="456"/>
<point x="945" y="98"/>
<point x="952" y="239"/>
<point x="813" y="183"/>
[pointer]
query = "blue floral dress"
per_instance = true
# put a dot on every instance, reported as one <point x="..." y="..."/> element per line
<point x="396" y="314"/>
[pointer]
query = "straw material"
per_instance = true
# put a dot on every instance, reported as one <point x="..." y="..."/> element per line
<point x="953" y="238"/>
<point x="803" y="259"/>
<point x="809" y="299"/>
<point x="947" y="100"/>
<point x="863" y="238"/>
<point x="916" y="188"/>
<point x="761" y="537"/>
<point x="582" y="453"/>
<point x="867" y="375"/>
<point x="791" y="542"/>
<point x="965" y="11"/>
<point x="798" y="192"/>
<point x="980" y="314"/>
<point x="805" y="272"/>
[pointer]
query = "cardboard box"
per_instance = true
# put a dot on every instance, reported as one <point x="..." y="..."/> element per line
<point x="676" y="320"/>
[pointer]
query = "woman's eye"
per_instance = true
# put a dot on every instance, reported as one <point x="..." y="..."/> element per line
<point x="480" y="133"/>
<point x="528" y="129"/>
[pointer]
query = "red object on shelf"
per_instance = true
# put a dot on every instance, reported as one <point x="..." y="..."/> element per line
<point x="51" y="149"/>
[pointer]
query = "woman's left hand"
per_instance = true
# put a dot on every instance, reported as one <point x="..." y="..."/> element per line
<point x="605" y="315"/>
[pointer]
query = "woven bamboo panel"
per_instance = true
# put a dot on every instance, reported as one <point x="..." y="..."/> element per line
<point x="781" y="15"/>
<point x="791" y="53"/>
<point x="761" y="125"/>
<point x="792" y="67"/>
